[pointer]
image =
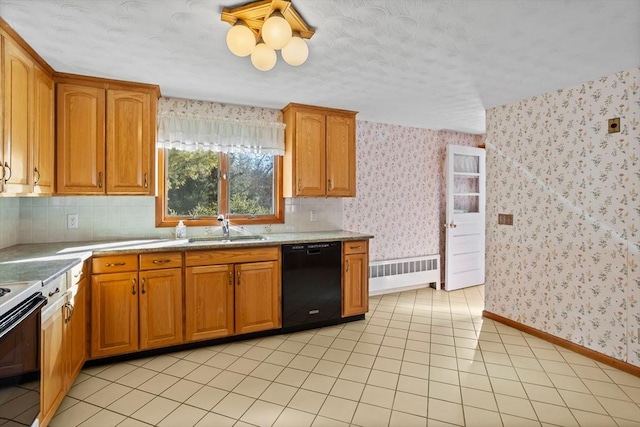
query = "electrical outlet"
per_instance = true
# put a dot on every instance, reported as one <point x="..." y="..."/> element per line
<point x="313" y="216"/>
<point x="72" y="221"/>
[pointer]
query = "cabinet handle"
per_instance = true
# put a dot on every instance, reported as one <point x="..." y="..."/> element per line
<point x="76" y="277"/>
<point x="36" y="177"/>
<point x="67" y="315"/>
<point x="115" y="264"/>
<point x="329" y="184"/>
<point x="142" y="284"/>
<point x="230" y="278"/>
<point x="238" y="278"/>
<point x="146" y="180"/>
<point x="355" y="247"/>
<point x="347" y="266"/>
<point x="161" y="261"/>
<point x="54" y="292"/>
<point x="70" y="310"/>
<point x="299" y="184"/>
<point x="6" y="165"/>
<point x="99" y="179"/>
<point x="133" y="286"/>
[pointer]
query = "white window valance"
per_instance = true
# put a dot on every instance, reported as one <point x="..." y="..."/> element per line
<point x="191" y="132"/>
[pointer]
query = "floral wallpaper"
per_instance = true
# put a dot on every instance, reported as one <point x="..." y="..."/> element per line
<point x="570" y="263"/>
<point x="400" y="188"/>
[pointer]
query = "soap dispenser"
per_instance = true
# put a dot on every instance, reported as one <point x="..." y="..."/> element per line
<point x="181" y="230"/>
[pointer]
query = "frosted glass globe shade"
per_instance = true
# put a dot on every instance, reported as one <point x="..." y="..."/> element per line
<point x="276" y="31"/>
<point x="263" y="57"/>
<point x="296" y="52"/>
<point x="241" y="40"/>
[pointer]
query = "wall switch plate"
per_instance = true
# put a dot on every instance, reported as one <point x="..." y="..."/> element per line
<point x="614" y="125"/>
<point x="72" y="221"/>
<point x="313" y="216"/>
<point x="505" y="219"/>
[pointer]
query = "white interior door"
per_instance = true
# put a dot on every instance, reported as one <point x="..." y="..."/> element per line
<point x="465" y="227"/>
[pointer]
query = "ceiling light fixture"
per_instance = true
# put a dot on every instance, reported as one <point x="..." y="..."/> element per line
<point x="261" y="27"/>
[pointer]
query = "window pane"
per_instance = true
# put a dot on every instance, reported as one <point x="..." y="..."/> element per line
<point x="192" y="183"/>
<point x="251" y="188"/>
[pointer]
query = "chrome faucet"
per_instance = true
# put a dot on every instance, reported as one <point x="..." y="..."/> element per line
<point x="224" y="222"/>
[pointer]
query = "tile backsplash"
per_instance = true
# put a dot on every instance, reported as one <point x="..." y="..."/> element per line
<point x="44" y="219"/>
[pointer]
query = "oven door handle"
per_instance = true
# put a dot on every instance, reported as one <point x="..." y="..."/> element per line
<point x="27" y="309"/>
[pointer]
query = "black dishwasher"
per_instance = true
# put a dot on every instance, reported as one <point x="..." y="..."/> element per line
<point x="311" y="285"/>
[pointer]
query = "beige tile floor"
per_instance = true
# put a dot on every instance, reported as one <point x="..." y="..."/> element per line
<point x="419" y="358"/>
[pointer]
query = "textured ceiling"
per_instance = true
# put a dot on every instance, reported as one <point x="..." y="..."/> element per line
<point x="426" y="63"/>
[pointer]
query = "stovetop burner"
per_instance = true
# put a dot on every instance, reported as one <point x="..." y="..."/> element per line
<point x="4" y="291"/>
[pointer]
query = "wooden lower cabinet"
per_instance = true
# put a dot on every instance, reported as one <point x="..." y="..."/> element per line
<point x="355" y="278"/>
<point x="114" y="314"/>
<point x="53" y="364"/>
<point x="209" y="296"/>
<point x="257" y="302"/>
<point x="160" y="308"/>
<point x="76" y="329"/>
<point x="228" y="299"/>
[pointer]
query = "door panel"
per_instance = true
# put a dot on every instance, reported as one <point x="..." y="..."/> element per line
<point x="114" y="314"/>
<point x="310" y="160"/>
<point x="128" y="142"/>
<point x="80" y="139"/>
<point x="160" y="303"/>
<point x="209" y="293"/>
<point x="257" y="297"/>
<point x="43" y="133"/>
<point x="355" y="292"/>
<point x="465" y="217"/>
<point x="18" y="87"/>
<point x="341" y="156"/>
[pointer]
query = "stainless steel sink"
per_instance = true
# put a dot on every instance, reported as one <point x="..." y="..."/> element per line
<point x="228" y="239"/>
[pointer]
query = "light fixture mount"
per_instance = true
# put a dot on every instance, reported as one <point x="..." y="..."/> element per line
<point x="254" y="15"/>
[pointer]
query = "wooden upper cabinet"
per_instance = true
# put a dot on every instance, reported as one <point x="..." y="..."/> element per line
<point x="310" y="157"/>
<point x="341" y="156"/>
<point x="43" y="133"/>
<point x="105" y="137"/>
<point x="130" y="139"/>
<point x="80" y="139"/>
<point x="17" y="144"/>
<point x="320" y="148"/>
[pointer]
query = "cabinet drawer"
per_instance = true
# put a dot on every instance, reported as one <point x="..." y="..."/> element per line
<point x="78" y="272"/>
<point x="356" y="247"/>
<point x="231" y="256"/>
<point x="114" y="264"/>
<point x="154" y="261"/>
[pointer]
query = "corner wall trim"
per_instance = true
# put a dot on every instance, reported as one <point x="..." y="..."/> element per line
<point x="592" y="354"/>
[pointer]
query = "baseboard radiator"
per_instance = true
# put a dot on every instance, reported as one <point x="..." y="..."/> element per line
<point x="404" y="274"/>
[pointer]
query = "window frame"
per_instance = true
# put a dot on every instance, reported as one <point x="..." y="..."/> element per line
<point x="162" y="220"/>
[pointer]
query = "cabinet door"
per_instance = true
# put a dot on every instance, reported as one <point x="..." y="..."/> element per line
<point x="53" y="366"/>
<point x="76" y="330"/>
<point x="129" y="142"/>
<point x="43" y="136"/>
<point x="114" y="314"/>
<point x="18" y="87"/>
<point x="257" y="297"/>
<point x="341" y="156"/>
<point x="209" y="302"/>
<point x="160" y="308"/>
<point x="80" y="120"/>
<point x="355" y="285"/>
<point x="310" y="162"/>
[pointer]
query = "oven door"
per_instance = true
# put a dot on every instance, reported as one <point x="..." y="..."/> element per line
<point x="20" y="363"/>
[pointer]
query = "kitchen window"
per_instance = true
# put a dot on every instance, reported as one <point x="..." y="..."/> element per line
<point x="196" y="186"/>
<point x="208" y="165"/>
